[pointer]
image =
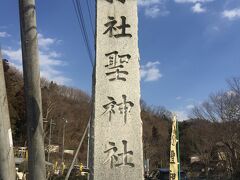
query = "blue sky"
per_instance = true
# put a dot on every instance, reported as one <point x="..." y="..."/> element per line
<point x="188" y="48"/>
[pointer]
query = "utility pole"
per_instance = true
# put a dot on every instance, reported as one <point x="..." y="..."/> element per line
<point x="32" y="90"/>
<point x="7" y="162"/>
<point x="77" y="151"/>
<point x="88" y="139"/>
<point x="63" y="143"/>
<point x="49" y="140"/>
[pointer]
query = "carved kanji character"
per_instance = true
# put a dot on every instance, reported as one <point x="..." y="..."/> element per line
<point x="112" y="157"/>
<point x="126" y="156"/>
<point x="172" y="176"/>
<point x="120" y="159"/>
<point x="111" y="1"/>
<point x="172" y="156"/>
<point x="125" y="107"/>
<point x="111" y="27"/>
<point x="115" y="63"/>
<point x="110" y="107"/>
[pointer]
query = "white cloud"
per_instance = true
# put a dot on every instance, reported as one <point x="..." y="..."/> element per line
<point x="178" y="98"/>
<point x="148" y="2"/>
<point x="154" y="8"/>
<point x="53" y="74"/>
<point x="54" y="54"/>
<point x="231" y="93"/>
<point x="50" y="60"/>
<point x="215" y="28"/>
<point x="155" y="11"/>
<point x="47" y="59"/>
<point x="150" y="71"/>
<point x="193" y="1"/>
<point x="231" y="14"/>
<point x="4" y="35"/>
<point x="15" y="55"/>
<point x="152" y="11"/>
<point x="45" y="42"/>
<point x="190" y="106"/>
<point x="197" y="8"/>
<point x="181" y="115"/>
<point x="3" y="27"/>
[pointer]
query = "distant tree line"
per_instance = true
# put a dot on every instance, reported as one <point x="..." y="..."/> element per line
<point x="212" y="133"/>
<point x="59" y="103"/>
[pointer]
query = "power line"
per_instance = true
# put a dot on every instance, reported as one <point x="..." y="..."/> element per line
<point x="90" y="17"/>
<point x="80" y="18"/>
<point x="85" y="34"/>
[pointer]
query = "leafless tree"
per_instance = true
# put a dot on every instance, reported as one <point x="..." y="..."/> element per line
<point x="223" y="108"/>
<point x="234" y="84"/>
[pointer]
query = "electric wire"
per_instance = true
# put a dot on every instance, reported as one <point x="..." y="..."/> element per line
<point x="90" y="17"/>
<point x="79" y="7"/>
<point x="81" y="22"/>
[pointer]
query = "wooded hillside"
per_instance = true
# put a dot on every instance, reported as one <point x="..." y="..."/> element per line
<point x="201" y="136"/>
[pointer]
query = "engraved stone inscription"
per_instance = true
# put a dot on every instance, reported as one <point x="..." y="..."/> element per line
<point x="112" y="28"/>
<point x="172" y="156"/>
<point x="117" y="159"/>
<point x="172" y="176"/>
<point x="116" y="64"/>
<point x="116" y="127"/>
<point x="111" y="1"/>
<point x="123" y="108"/>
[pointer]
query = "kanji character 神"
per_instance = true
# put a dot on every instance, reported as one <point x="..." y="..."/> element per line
<point x="124" y="107"/>
<point x="110" y="107"/>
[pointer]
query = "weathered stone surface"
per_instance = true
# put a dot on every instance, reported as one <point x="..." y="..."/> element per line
<point x="116" y="127"/>
<point x="7" y="163"/>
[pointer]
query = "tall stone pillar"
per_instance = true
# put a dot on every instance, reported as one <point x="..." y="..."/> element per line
<point x="7" y="162"/>
<point x="116" y="150"/>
